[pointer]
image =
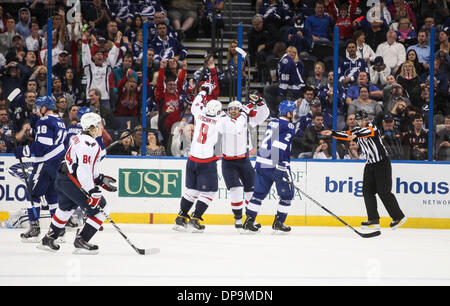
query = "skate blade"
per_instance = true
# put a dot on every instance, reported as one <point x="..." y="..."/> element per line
<point x="46" y="248"/>
<point x="280" y="233"/>
<point x="249" y="232"/>
<point x="180" y="228"/>
<point x="31" y="240"/>
<point x="375" y="227"/>
<point x="84" y="252"/>
<point x="400" y="224"/>
<point x="194" y="230"/>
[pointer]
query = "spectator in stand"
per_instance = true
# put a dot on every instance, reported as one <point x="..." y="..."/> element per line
<point x="182" y="138"/>
<point x="306" y="120"/>
<point x="353" y="91"/>
<point x="429" y="23"/>
<point x="405" y="33"/>
<point x="8" y="34"/>
<point x="72" y="87"/>
<point x="408" y="78"/>
<point x="304" y="104"/>
<point x="422" y="49"/>
<point x="61" y="108"/>
<point x="363" y="50"/>
<point x="411" y="55"/>
<point x="159" y="17"/>
<point x="441" y="77"/>
<point x="121" y="71"/>
<point x="391" y="137"/>
<point x="318" y="80"/>
<point x="17" y="51"/>
<point x="20" y="112"/>
<point x="326" y="97"/>
<point x="96" y="13"/>
<point x="2" y="20"/>
<point x="319" y="24"/>
<point x="124" y="147"/>
<point x="6" y="140"/>
<point x="400" y="4"/>
<point x="401" y="12"/>
<point x="421" y="99"/>
<point x="128" y="104"/>
<point x="443" y="141"/>
<point x="311" y="138"/>
<point x="97" y="69"/>
<point x="438" y="9"/>
<point x="208" y="15"/>
<point x="444" y="43"/>
<point x="232" y="63"/>
<point x="182" y="14"/>
<point x="378" y="72"/>
<point x="34" y="41"/>
<point x="363" y="102"/>
<point x="28" y="64"/>
<point x="60" y="68"/>
<point x="40" y="75"/>
<point x="351" y="66"/>
<point x="392" y="52"/>
<point x="300" y="38"/>
<point x="167" y="94"/>
<point x="393" y="94"/>
<point x="94" y="96"/>
<point x="11" y="78"/>
<point x="154" y="147"/>
<point x="375" y="31"/>
<point x="290" y="72"/>
<point x="323" y="150"/>
<point x="72" y="118"/>
<point x="353" y="150"/>
<point x="276" y="16"/>
<point x="166" y="47"/>
<point x="210" y="76"/>
<point x="260" y="44"/>
<point x="23" y="25"/>
<point x="58" y="40"/>
<point x="57" y="91"/>
<point x="397" y="114"/>
<point x="344" y="17"/>
<point x="415" y="141"/>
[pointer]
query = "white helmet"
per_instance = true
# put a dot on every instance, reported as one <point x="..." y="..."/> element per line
<point x="235" y="104"/>
<point x="90" y="119"/>
<point x="213" y="108"/>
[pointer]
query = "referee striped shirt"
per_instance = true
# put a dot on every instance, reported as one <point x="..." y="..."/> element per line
<point x="369" y="141"/>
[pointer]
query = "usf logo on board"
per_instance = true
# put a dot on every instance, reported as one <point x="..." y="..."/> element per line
<point x="150" y="183"/>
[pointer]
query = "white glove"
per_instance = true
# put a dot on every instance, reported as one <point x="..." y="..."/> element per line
<point x="208" y="87"/>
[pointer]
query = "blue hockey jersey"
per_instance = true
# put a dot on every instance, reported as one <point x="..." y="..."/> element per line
<point x="49" y="135"/>
<point x="290" y="76"/>
<point x="276" y="145"/>
<point x="349" y="68"/>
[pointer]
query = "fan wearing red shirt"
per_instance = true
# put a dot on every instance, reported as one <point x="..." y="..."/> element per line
<point x="344" y="20"/>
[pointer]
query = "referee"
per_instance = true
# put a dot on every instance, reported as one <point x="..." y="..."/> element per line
<point x="377" y="172"/>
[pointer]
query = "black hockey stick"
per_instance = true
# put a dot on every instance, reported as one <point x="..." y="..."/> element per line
<point x="27" y="184"/>
<point x="364" y="235"/>
<point x="150" y="251"/>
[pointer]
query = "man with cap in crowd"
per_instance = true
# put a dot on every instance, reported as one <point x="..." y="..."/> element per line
<point x="17" y="50"/>
<point x="378" y="72"/>
<point x="63" y="63"/>
<point x="397" y="114"/>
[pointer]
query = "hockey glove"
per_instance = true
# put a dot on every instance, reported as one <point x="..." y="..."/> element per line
<point x="208" y="87"/>
<point x="106" y="182"/>
<point x="20" y="152"/>
<point x="256" y="98"/>
<point x="95" y="197"/>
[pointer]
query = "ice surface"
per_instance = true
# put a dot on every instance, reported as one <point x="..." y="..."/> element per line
<point x="221" y="256"/>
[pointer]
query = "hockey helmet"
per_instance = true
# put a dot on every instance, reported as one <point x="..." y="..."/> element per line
<point x="46" y="101"/>
<point x="235" y="104"/>
<point x="83" y="110"/>
<point x="213" y="108"/>
<point x="90" y="119"/>
<point x="361" y="115"/>
<point x="287" y="106"/>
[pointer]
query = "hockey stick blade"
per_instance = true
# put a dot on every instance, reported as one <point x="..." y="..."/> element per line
<point x="369" y="235"/>
<point x="151" y="251"/>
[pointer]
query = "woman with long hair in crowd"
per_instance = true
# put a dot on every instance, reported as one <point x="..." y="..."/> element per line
<point x="408" y="77"/>
<point x="71" y="85"/>
<point x="154" y="147"/>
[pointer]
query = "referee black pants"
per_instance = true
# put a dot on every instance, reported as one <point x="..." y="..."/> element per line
<point x="378" y="180"/>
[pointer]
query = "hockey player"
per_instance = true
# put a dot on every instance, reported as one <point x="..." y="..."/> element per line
<point x="77" y="184"/>
<point x="201" y="168"/>
<point x="47" y="149"/>
<point x="377" y="177"/>
<point x="237" y="169"/>
<point x="272" y="166"/>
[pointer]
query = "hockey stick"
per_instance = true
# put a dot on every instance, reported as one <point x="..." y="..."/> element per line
<point x="364" y="235"/>
<point x="150" y="251"/>
<point x="27" y="184"/>
<point x="13" y="94"/>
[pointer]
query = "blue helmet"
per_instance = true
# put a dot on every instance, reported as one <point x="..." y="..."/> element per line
<point x="83" y="110"/>
<point x="46" y="101"/>
<point x="287" y="106"/>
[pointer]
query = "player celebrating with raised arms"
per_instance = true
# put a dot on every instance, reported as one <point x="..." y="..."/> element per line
<point x="201" y="167"/>
<point x="272" y="166"/>
<point x="77" y="185"/>
<point x="237" y="170"/>
<point x="47" y="150"/>
<point x="377" y="177"/>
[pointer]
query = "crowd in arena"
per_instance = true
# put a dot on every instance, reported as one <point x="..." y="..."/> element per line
<point x="384" y="68"/>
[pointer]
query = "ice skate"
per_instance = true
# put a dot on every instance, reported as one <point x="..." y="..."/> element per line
<point x="250" y="226"/>
<point x="61" y="237"/>
<point x="370" y="225"/>
<point x="32" y="235"/>
<point x="397" y="223"/>
<point x="84" y="248"/>
<point x="194" y="225"/>
<point x="48" y="244"/>
<point x="238" y="225"/>
<point x="279" y="228"/>
<point x="181" y="223"/>
<point x="71" y="223"/>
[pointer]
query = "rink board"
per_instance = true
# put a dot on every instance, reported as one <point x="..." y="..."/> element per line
<point x="150" y="191"/>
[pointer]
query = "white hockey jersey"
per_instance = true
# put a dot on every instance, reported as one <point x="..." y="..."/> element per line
<point x="206" y="131"/>
<point x="234" y="137"/>
<point x="82" y="159"/>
